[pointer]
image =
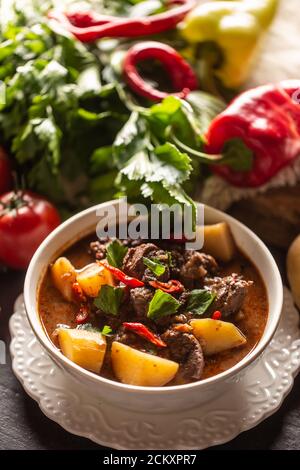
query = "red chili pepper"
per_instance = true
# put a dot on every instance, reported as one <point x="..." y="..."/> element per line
<point x="83" y="315"/>
<point x="78" y="293"/>
<point x="144" y="332"/>
<point x="118" y="274"/>
<point x="180" y="72"/>
<point x="89" y="26"/>
<point x="171" y="287"/>
<point x="217" y="315"/>
<point x="267" y="119"/>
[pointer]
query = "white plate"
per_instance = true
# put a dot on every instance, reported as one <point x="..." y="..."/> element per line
<point x="258" y="395"/>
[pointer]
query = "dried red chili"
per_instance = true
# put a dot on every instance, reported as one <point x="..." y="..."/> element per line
<point x="144" y="332"/>
<point x="83" y="315"/>
<point x="89" y="26"/>
<point x="78" y="293"/>
<point x="171" y="287"/>
<point x="180" y="72"/>
<point x="122" y="277"/>
<point x="217" y="315"/>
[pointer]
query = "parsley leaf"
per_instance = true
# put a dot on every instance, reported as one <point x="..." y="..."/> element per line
<point x="106" y="330"/>
<point x="155" y="266"/>
<point x="165" y="163"/>
<point x="88" y="327"/>
<point x="199" y="300"/>
<point x="56" y="109"/>
<point x="115" y="253"/>
<point x="162" y="305"/>
<point x="149" y="164"/>
<point x="205" y="107"/>
<point x="109" y="299"/>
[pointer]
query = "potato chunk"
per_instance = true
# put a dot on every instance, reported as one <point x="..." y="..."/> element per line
<point x="219" y="242"/>
<point x="134" y="367"/>
<point x="85" y="348"/>
<point x="92" y="277"/>
<point x="64" y="275"/>
<point x="216" y="336"/>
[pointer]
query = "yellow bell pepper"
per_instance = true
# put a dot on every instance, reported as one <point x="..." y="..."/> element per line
<point x="235" y="27"/>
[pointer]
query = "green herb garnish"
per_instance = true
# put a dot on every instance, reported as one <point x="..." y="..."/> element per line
<point x="162" y="305"/>
<point x="106" y="330"/>
<point x="170" y="261"/>
<point x="155" y="266"/>
<point x="115" y="253"/>
<point x="199" y="300"/>
<point x="88" y="327"/>
<point x="109" y="299"/>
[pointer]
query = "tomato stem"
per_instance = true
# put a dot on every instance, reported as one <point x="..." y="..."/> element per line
<point x="15" y="203"/>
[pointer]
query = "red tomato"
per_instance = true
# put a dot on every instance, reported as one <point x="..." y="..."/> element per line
<point x="25" y="220"/>
<point x="5" y="172"/>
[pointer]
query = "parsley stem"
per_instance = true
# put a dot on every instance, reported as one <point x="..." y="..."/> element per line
<point x="202" y="156"/>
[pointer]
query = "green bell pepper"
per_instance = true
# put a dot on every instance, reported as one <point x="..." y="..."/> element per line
<point x="235" y="27"/>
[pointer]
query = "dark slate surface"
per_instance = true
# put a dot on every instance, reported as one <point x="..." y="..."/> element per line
<point x="23" y="425"/>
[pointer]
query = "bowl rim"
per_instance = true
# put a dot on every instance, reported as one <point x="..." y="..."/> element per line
<point x="32" y="313"/>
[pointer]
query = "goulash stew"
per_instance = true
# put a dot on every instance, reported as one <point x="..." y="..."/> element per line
<point x="152" y="313"/>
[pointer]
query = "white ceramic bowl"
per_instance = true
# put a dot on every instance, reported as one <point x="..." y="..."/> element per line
<point x="166" y="398"/>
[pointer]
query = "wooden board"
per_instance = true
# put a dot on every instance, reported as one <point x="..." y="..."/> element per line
<point x="274" y="215"/>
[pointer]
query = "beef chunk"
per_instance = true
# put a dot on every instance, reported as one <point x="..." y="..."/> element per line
<point x="177" y="261"/>
<point x="131" y="242"/>
<point x="98" y="248"/>
<point x="132" y="340"/>
<point x="140" y="299"/>
<point x="196" y="266"/>
<point x="185" y="349"/>
<point x="166" y="321"/>
<point x="230" y="293"/>
<point x="134" y="266"/>
<point x="162" y="257"/>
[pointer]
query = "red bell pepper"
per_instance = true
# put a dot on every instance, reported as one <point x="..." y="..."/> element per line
<point x="180" y="72"/>
<point x="88" y="26"/>
<point x="267" y="120"/>
<point x="122" y="277"/>
<point x="171" y="287"/>
<point x="144" y="332"/>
